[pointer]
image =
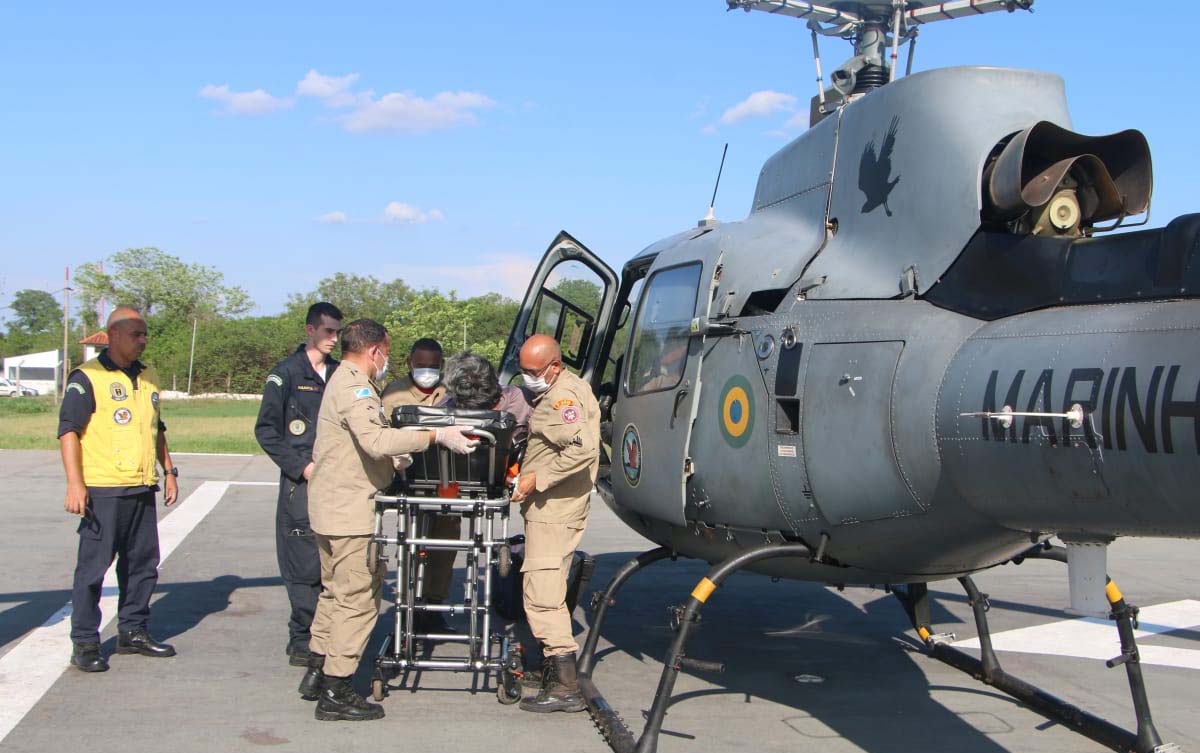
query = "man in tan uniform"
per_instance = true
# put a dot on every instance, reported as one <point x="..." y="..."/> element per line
<point x="423" y="385"/>
<point x="554" y="489"/>
<point x="352" y="461"/>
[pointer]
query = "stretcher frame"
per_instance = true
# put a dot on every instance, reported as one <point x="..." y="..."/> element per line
<point x="485" y="543"/>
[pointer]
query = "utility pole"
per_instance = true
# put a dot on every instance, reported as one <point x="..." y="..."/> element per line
<point x="66" y="361"/>
<point x="102" y="317"/>
<point x="192" y="357"/>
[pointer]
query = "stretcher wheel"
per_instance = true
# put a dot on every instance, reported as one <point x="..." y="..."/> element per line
<point x="377" y="690"/>
<point x="504" y="560"/>
<point x="508" y="688"/>
<point x="372" y="557"/>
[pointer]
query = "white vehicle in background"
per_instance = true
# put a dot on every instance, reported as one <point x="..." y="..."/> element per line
<point x="10" y="388"/>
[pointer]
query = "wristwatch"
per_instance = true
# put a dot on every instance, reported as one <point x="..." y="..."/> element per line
<point x="172" y="471"/>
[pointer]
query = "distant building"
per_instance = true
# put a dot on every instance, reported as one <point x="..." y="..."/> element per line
<point x="93" y="344"/>
<point x="36" y="370"/>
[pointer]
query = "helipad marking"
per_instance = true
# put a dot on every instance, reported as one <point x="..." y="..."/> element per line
<point x="1091" y="638"/>
<point x="33" y="665"/>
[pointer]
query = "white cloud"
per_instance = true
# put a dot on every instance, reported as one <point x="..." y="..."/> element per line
<point x="504" y="273"/>
<point x="333" y="218"/>
<point x="404" y="112"/>
<point x="334" y="90"/>
<point x="257" y="102"/>
<point x="399" y="213"/>
<point x="757" y="105"/>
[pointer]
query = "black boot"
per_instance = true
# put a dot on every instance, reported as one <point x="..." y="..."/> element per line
<point x="560" y="687"/>
<point x="86" y="657"/>
<point x="339" y="702"/>
<point x="139" y="642"/>
<point x="298" y="653"/>
<point x="310" y="685"/>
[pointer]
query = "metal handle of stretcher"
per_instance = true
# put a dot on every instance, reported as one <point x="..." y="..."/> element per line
<point x="481" y="433"/>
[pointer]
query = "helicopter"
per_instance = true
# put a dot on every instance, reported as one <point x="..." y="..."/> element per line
<point x="860" y="384"/>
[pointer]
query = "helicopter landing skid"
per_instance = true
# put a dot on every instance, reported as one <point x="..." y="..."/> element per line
<point x="611" y="725"/>
<point x="915" y="599"/>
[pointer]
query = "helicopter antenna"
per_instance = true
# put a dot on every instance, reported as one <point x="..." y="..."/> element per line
<point x="710" y="219"/>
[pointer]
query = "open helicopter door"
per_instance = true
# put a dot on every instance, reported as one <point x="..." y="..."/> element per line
<point x="572" y="298"/>
<point x="655" y="407"/>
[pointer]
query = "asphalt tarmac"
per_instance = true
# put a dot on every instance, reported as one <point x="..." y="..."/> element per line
<point x="807" y="667"/>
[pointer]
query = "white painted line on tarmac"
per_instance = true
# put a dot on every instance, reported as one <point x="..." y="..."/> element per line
<point x="213" y="454"/>
<point x="1090" y="638"/>
<point x="33" y="665"/>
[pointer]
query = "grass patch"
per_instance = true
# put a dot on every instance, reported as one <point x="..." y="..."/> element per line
<point x="192" y="425"/>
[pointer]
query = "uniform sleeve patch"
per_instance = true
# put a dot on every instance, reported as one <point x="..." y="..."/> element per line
<point x="570" y="414"/>
<point x="77" y="387"/>
<point x="362" y="392"/>
<point x="276" y="380"/>
<point x="566" y="401"/>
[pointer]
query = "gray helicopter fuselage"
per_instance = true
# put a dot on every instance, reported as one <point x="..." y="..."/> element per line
<point x="823" y="400"/>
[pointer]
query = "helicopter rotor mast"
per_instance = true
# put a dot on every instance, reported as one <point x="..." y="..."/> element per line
<point x="872" y="29"/>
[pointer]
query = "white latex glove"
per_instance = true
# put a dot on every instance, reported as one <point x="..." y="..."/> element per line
<point x="400" y="462"/>
<point x="453" y="439"/>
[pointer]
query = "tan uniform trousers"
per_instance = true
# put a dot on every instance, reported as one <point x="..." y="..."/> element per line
<point x="439" y="565"/>
<point x="349" y="604"/>
<point x="549" y="549"/>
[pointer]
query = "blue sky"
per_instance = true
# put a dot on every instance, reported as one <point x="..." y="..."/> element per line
<point x="447" y="143"/>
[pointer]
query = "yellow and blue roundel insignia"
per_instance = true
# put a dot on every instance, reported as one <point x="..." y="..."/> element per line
<point x="737" y="411"/>
<point x="631" y="455"/>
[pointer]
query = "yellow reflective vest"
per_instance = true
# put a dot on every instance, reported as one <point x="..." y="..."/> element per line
<point x="120" y="441"/>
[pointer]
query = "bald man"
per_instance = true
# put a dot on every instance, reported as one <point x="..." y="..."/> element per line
<point x="111" y="435"/>
<point x="554" y="489"/>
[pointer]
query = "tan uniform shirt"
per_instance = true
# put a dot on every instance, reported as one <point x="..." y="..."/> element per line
<point x="353" y="454"/>
<point x="402" y="391"/>
<point x="563" y="452"/>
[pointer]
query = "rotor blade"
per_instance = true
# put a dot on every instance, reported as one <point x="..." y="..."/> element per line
<point x="796" y="9"/>
<point x="961" y="9"/>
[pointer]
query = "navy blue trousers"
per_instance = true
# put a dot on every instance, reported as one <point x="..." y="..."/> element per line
<point x="125" y="528"/>
<point x="299" y="560"/>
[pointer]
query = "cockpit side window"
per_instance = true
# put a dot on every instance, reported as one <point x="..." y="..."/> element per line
<point x="659" y="347"/>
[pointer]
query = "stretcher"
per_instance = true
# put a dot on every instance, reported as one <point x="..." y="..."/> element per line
<point x="472" y="487"/>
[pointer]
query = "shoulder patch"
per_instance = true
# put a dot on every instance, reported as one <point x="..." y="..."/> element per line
<point x="275" y="379"/>
<point x="361" y="392"/>
<point x="77" y="387"/>
<point x="566" y="401"/>
<point x="570" y="414"/>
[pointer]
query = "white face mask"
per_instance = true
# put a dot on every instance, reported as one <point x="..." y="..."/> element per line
<point x="426" y="378"/>
<point x="536" y="385"/>
<point x="381" y="371"/>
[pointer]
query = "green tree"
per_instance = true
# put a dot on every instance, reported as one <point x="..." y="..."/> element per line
<point x="36" y="325"/>
<point x="36" y="312"/>
<point x="484" y="321"/>
<point x="232" y="355"/>
<point x="583" y="293"/>
<point x="155" y="282"/>
<point x="356" y="296"/>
